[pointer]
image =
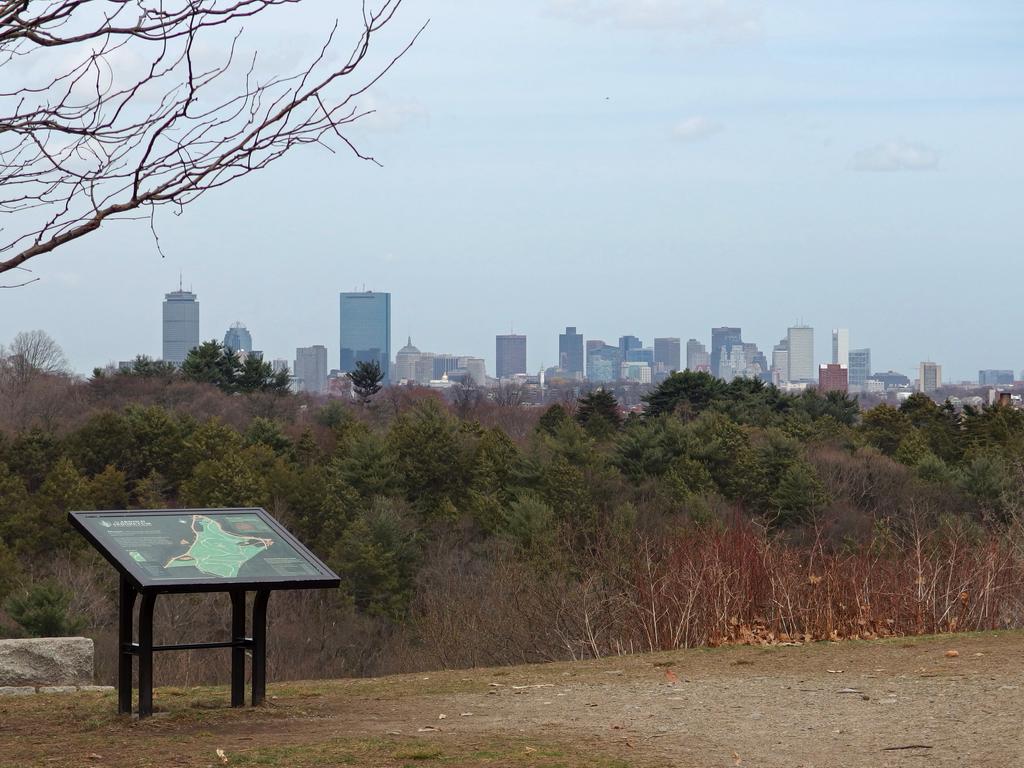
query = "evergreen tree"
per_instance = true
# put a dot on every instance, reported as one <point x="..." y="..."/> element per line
<point x="598" y="413"/>
<point x="212" y="363"/>
<point x="43" y="611"/>
<point x="258" y="376"/>
<point x="366" y="379"/>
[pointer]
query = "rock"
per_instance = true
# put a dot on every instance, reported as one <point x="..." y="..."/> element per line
<point x="46" y="661"/>
<point x="58" y="689"/>
<point x="16" y="690"/>
<point x="96" y="688"/>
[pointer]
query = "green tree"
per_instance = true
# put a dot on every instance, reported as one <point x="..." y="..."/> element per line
<point x="798" y="494"/>
<point x="32" y="455"/>
<point x="376" y="558"/>
<point x="212" y="363"/>
<point x="431" y="459"/>
<point x="9" y="570"/>
<point x="366" y="379"/>
<point x="258" y="376"/>
<point x="884" y="427"/>
<point x="598" y="413"/>
<point x="234" y="480"/>
<point x="530" y="523"/>
<point x="552" y="418"/>
<point x="268" y="432"/>
<point x="146" y="367"/>
<point x="688" y="392"/>
<point x="108" y="489"/>
<point x="44" y="611"/>
<point x="101" y="441"/>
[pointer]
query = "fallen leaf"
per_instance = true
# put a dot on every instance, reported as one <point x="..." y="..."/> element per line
<point x="951" y="654"/>
<point x="736" y="757"/>
<point x="427" y="729"/>
<point x="465" y="714"/>
<point x="95" y="756"/>
<point x="834" y="671"/>
<point x="671" y="677"/>
<point x="223" y="757"/>
<point x="442" y="716"/>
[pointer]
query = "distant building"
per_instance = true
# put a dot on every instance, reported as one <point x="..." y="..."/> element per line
<point x="365" y="330"/>
<point x="668" y="354"/>
<point x="841" y="346"/>
<point x="279" y="364"/>
<point x="441" y="364"/>
<point x="636" y="372"/>
<point x="238" y="338"/>
<point x="859" y="369"/>
<point x="603" y="363"/>
<point x="722" y="341"/>
<point x="995" y="378"/>
<point x="570" y="353"/>
<point x="833" y="378"/>
<point x="697" y="358"/>
<point x="800" y="339"/>
<point x="181" y="325"/>
<point x="405" y="362"/>
<point x="890" y="379"/>
<point x="929" y="377"/>
<point x="475" y="367"/>
<point x="627" y="345"/>
<point x="733" y="363"/>
<point x="780" y="362"/>
<point x="425" y="368"/>
<point x="310" y="370"/>
<point x="640" y="355"/>
<point x="510" y="355"/>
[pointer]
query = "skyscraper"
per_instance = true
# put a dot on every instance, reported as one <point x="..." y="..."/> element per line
<point x="238" y="338"/>
<point x="603" y="362"/>
<point x="722" y="341"/>
<point x="627" y="344"/>
<point x="859" y="369"/>
<point x="667" y="353"/>
<point x="310" y="369"/>
<point x="800" y="339"/>
<point x="510" y="355"/>
<point x="366" y="330"/>
<point x="697" y="358"/>
<point x="405" y="362"/>
<point x="929" y="377"/>
<point x="181" y="325"/>
<point x="570" y="352"/>
<point x="841" y="347"/>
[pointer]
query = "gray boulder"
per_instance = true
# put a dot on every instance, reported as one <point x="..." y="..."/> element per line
<point x="46" y="661"/>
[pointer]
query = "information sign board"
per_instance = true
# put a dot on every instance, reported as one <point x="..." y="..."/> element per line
<point x="190" y="549"/>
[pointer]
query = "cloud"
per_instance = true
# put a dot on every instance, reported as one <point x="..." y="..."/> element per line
<point x="722" y="18"/>
<point x="696" y="128"/>
<point x="898" y="155"/>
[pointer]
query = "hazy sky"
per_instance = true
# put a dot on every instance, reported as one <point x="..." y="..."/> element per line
<point x="647" y="167"/>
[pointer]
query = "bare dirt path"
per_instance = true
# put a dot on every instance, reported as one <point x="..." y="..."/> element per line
<point x="885" y="703"/>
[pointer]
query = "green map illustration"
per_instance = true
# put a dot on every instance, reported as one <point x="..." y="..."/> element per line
<point x="216" y="552"/>
<point x="201" y="545"/>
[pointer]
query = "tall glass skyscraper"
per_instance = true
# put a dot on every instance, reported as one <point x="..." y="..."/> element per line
<point x="238" y="339"/>
<point x="722" y="341"/>
<point x="570" y="352"/>
<point x="366" y="330"/>
<point x="801" y="353"/>
<point x="181" y="325"/>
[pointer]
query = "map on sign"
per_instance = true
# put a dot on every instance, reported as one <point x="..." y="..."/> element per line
<point x="201" y="545"/>
<point x="216" y="552"/>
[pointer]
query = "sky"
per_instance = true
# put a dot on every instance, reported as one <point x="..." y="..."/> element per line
<point x="645" y="167"/>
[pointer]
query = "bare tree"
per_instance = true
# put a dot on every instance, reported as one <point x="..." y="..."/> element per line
<point x="34" y="352"/>
<point x="109" y="108"/>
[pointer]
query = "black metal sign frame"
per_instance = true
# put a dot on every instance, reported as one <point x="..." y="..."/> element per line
<point x="136" y="583"/>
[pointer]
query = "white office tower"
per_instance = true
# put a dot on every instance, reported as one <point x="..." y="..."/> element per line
<point x="800" y="339"/>
<point x="841" y="347"/>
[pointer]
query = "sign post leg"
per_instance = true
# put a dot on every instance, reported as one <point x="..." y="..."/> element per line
<point x="259" y="646"/>
<point x="238" y="649"/>
<point x="146" y="654"/>
<point x="125" y="636"/>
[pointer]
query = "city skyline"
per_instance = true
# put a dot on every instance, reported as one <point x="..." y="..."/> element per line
<point x="822" y="161"/>
<point x="660" y="350"/>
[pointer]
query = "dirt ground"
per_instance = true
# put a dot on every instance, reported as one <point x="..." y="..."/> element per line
<point x="898" y="703"/>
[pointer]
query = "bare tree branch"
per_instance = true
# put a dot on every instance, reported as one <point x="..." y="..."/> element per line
<point x="93" y="140"/>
